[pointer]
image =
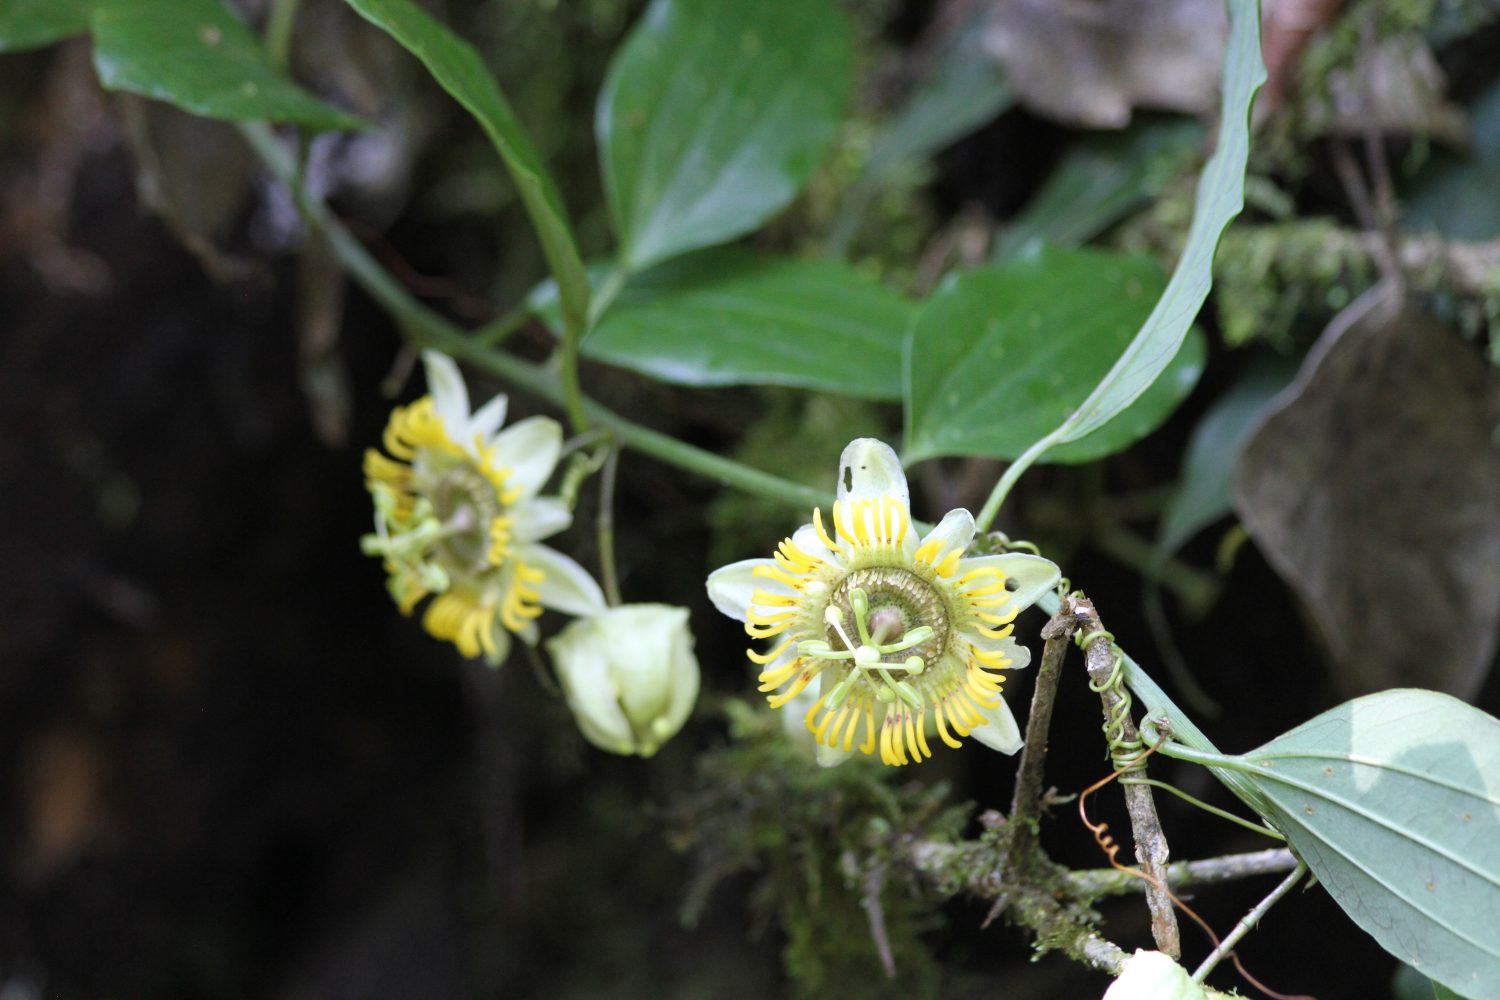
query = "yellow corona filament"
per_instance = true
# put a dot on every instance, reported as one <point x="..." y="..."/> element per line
<point x="854" y="716"/>
<point x="817" y="707"/>
<point x="922" y="733"/>
<point x="773" y="679"/>
<point x="762" y="659"/>
<point x="823" y="532"/>
<point x="942" y="729"/>
<point x="803" y="679"/>
<point x="868" y="746"/>
<point x="500" y="535"/>
<point x="522" y="603"/>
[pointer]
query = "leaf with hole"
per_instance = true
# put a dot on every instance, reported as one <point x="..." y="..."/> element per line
<point x="713" y="115"/>
<point x="1000" y="355"/>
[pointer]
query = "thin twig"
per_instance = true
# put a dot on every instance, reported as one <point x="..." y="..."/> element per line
<point x="1248" y="922"/>
<point x="1181" y="874"/>
<point x="1026" y="803"/>
<point x="1151" y="848"/>
<point x="875" y="914"/>
<point x="605" y="526"/>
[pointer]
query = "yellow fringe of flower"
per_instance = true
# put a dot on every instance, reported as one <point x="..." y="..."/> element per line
<point x="522" y="603"/>
<point x="461" y="618"/>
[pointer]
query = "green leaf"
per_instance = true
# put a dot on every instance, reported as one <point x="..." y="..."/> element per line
<point x="1201" y="496"/>
<point x="713" y="115"/>
<point x="732" y="317"/>
<point x="196" y="55"/>
<point x="999" y="356"/>
<point x="458" y="69"/>
<point x="1393" y="800"/>
<point x="1105" y="178"/>
<point x="1220" y="197"/>
<point x="30" y="24"/>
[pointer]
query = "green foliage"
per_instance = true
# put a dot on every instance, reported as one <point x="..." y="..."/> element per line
<point x="42" y="22"/>
<point x="1391" y="800"/>
<point x="1000" y="356"/>
<point x="193" y="54"/>
<point x="457" y="67"/>
<point x="731" y="317"/>
<point x="713" y="116"/>
<point x="1221" y="195"/>
<point x="816" y="834"/>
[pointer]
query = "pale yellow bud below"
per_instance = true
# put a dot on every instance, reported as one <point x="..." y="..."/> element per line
<point x="629" y="675"/>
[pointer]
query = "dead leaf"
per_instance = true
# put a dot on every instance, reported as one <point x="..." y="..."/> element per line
<point x="1373" y="488"/>
<point x="1397" y="87"/>
<point x="1090" y="62"/>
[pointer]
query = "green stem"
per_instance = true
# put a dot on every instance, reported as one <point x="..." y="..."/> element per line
<point x="279" y="32"/>
<point x="606" y="294"/>
<point x="606" y="528"/>
<point x="1002" y="488"/>
<point x="1247" y="924"/>
<point x="425" y="328"/>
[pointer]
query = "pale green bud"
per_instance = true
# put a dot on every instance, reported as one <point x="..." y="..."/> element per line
<point x="629" y="674"/>
<point x="1150" y="975"/>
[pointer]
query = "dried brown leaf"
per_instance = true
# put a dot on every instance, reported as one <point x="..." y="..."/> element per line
<point x="1374" y="490"/>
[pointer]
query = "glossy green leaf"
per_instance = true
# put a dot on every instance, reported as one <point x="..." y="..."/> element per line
<point x="30" y="24"/>
<point x="1201" y="496"/>
<point x="732" y="317"/>
<point x="458" y="69"/>
<point x="713" y="115"/>
<point x="999" y="356"/>
<point x="1393" y="800"/>
<point x="1105" y="178"/>
<point x="196" y="55"/>
<point x="1220" y="197"/>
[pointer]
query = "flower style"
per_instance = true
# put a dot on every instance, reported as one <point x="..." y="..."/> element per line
<point x="629" y="675"/>
<point x="898" y="631"/>
<point x="457" y="517"/>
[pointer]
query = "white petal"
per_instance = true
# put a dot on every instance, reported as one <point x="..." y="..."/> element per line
<point x="732" y="588"/>
<point x="954" y="531"/>
<point x="869" y="469"/>
<point x="538" y="518"/>
<point x="999" y="731"/>
<point x="501" y="639"/>
<point x="528" y="451"/>
<point x="450" y="397"/>
<point x="828" y="756"/>
<point x="487" y="419"/>
<point x="806" y="538"/>
<point x="566" y="586"/>
<point x="1018" y="654"/>
<point x="1033" y="575"/>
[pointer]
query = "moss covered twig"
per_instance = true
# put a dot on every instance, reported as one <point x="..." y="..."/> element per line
<point x="1181" y="874"/>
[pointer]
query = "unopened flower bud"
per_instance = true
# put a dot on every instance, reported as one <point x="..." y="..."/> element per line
<point x="629" y="674"/>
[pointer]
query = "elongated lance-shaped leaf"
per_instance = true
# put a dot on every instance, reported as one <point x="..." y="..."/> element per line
<point x="458" y="69"/>
<point x="1220" y="197"/>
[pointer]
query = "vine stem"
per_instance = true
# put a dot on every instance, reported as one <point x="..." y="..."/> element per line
<point x="279" y="25"/>
<point x="1008" y="479"/>
<point x="1026" y="803"/>
<point x="425" y="328"/>
<point x="1248" y="921"/>
<point x="1151" y="848"/>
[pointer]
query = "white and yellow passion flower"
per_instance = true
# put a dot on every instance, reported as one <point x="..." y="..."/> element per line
<point x="458" y="518"/>
<point x="905" y="637"/>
